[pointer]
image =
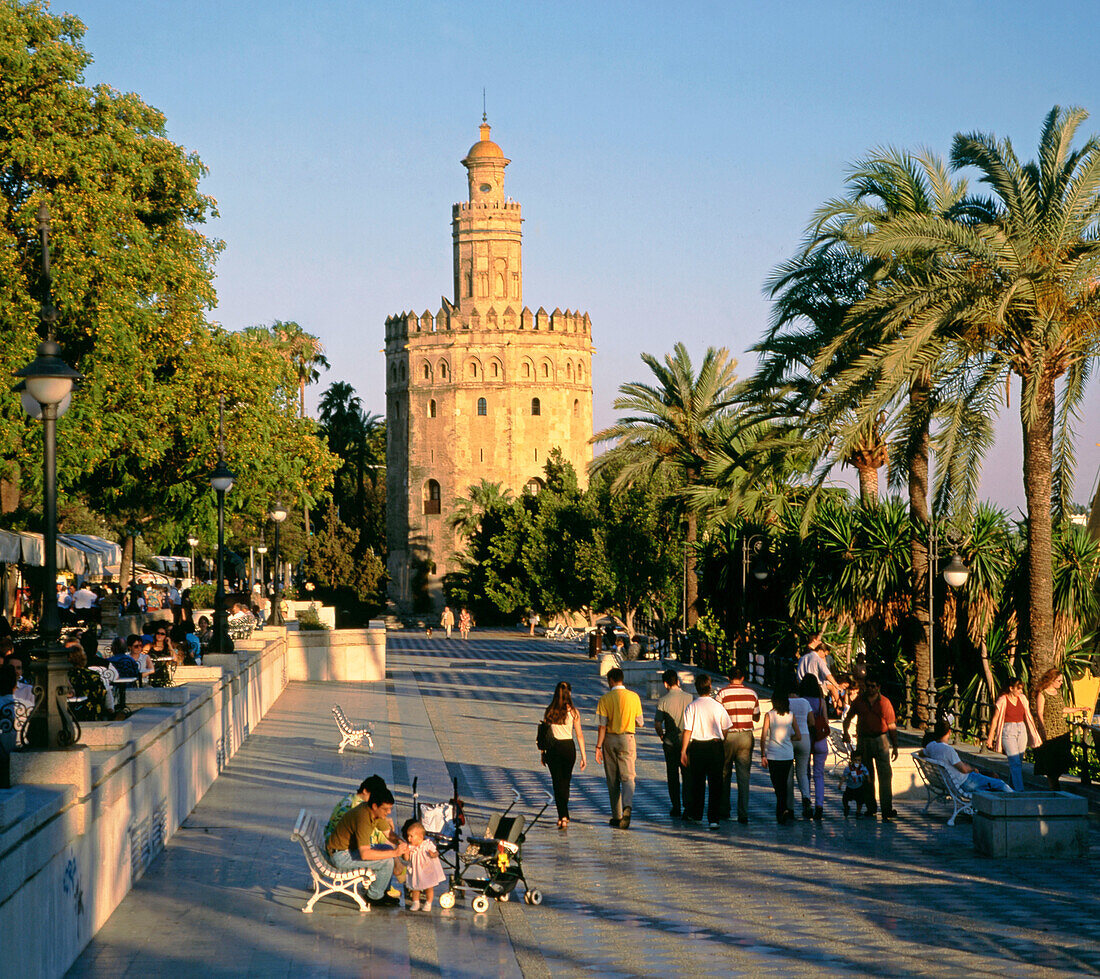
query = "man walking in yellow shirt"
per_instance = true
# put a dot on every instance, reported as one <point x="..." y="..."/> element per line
<point x="619" y="714"/>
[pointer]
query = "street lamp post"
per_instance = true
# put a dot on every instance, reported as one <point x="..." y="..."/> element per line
<point x="955" y="574"/>
<point x="194" y="542"/>
<point x="262" y="550"/>
<point x="221" y="481"/>
<point x="750" y="553"/>
<point x="45" y="390"/>
<point x="278" y="514"/>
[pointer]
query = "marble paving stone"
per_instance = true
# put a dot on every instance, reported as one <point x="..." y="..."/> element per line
<point x="839" y="898"/>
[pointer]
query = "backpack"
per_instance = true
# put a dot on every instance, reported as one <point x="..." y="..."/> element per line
<point x="542" y="737"/>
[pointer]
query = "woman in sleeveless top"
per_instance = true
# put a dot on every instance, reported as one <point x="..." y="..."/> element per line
<point x="1013" y="731"/>
<point x="1054" y="756"/>
<point x="561" y="755"/>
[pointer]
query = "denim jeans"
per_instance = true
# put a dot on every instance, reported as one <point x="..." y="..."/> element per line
<point x="383" y="870"/>
<point x="1014" y="743"/>
<point x="977" y="782"/>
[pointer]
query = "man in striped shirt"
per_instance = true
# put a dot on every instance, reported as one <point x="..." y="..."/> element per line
<point x="743" y="707"/>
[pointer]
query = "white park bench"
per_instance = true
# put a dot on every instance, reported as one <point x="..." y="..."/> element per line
<point x="327" y="879"/>
<point x="942" y="787"/>
<point x="349" y="733"/>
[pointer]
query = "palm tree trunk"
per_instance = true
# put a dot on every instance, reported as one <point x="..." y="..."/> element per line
<point x="126" y="564"/>
<point x="691" y="578"/>
<point x="1038" y="434"/>
<point x="868" y="484"/>
<point x="921" y="625"/>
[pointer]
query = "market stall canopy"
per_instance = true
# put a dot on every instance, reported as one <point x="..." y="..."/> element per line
<point x="79" y="553"/>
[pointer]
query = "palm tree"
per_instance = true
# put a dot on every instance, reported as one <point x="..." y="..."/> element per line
<point x="1014" y="289"/>
<point x="467" y="511"/>
<point x="668" y="431"/>
<point x="305" y="353"/>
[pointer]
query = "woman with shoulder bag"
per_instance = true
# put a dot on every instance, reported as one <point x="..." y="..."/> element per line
<point x="818" y="723"/>
<point x="560" y="754"/>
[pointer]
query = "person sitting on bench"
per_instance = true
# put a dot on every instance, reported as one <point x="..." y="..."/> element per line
<point x="364" y="837"/>
<point x="963" y="776"/>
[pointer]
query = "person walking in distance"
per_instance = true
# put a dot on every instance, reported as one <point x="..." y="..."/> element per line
<point x="1013" y="730"/>
<point x="668" y="722"/>
<point x="705" y="725"/>
<point x="877" y="740"/>
<point x="618" y="713"/>
<point x="777" y="752"/>
<point x="447" y="620"/>
<point x="465" y="622"/>
<point x="743" y="707"/>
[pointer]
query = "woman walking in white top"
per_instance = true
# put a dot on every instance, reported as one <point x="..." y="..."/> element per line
<point x="561" y="754"/>
<point x="777" y="752"/>
<point x="801" y="709"/>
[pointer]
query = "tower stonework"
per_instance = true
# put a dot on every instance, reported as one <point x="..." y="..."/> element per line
<point x="481" y="389"/>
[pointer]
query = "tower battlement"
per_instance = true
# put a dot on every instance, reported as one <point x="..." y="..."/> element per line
<point x="478" y="207"/>
<point x="406" y="325"/>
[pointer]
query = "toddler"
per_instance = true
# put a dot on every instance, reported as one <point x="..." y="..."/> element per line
<point x="424" y="870"/>
<point x="856" y="785"/>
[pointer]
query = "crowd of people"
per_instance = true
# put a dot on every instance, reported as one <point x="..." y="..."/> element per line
<point x="708" y="742"/>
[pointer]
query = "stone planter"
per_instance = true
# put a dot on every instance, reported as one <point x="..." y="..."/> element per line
<point x="1031" y="824"/>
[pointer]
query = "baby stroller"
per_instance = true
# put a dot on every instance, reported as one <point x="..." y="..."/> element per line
<point x="488" y="866"/>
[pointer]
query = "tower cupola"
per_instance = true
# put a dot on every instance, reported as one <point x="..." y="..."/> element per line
<point x="485" y="165"/>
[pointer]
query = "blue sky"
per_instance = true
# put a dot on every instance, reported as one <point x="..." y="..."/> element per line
<point x="667" y="158"/>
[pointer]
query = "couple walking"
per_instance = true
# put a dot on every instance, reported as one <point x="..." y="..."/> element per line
<point x="447" y="621"/>
<point x="619" y="714"/>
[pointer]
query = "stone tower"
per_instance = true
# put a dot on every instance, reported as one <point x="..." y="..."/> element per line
<point x="483" y="388"/>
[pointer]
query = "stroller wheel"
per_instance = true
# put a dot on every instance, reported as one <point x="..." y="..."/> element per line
<point x="447" y="901"/>
<point x="533" y="897"/>
<point x="480" y="904"/>
<point x="504" y="897"/>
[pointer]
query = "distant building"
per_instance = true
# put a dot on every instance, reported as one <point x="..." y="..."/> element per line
<point x="483" y="388"/>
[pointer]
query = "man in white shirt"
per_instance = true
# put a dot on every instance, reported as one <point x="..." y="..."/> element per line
<point x="962" y="775"/>
<point x="84" y="600"/>
<point x="702" y="751"/>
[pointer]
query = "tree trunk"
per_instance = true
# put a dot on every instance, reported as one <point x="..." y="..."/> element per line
<point x="920" y="622"/>
<point x="987" y="672"/>
<point x="691" y="579"/>
<point x="868" y="484"/>
<point x="9" y="492"/>
<point x="1038" y="434"/>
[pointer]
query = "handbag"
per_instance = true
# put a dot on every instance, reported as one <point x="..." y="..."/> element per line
<point x="542" y="738"/>
<point x="821" y="721"/>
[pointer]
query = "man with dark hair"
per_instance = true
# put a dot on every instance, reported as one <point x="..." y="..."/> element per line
<point x="364" y="837"/>
<point x="877" y="741"/>
<point x="743" y="707"/>
<point x="963" y="776"/>
<point x="705" y="725"/>
<point x="668" y="723"/>
<point x="618" y="713"/>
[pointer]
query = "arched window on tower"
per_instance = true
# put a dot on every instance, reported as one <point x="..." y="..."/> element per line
<point x="427" y="372"/>
<point x="431" y="408"/>
<point x="482" y="406"/>
<point x="499" y="293"/>
<point x="467" y="286"/>
<point x="536" y="406"/>
<point x="545" y="369"/>
<point x="431" y="497"/>
<point x="526" y="370"/>
<point x="443" y="370"/>
<point x="576" y="408"/>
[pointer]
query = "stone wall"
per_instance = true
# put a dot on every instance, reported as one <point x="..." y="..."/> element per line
<point x="339" y="655"/>
<point x="80" y="826"/>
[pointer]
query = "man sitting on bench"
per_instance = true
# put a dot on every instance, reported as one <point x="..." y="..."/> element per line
<point x="364" y="837"/>
<point x="963" y="777"/>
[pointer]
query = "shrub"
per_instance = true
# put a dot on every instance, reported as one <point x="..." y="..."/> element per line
<point x="309" y="619"/>
<point x="202" y="595"/>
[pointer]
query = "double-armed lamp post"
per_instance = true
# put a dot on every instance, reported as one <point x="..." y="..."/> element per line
<point x="45" y="389"/>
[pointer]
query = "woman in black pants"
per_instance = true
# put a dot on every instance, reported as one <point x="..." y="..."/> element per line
<point x="561" y="755"/>
<point x="777" y="752"/>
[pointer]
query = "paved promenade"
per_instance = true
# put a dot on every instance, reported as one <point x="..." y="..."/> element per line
<point x="840" y="898"/>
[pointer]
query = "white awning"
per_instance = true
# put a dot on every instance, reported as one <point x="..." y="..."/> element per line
<point x="79" y="553"/>
<point x="11" y="548"/>
<point x="98" y="553"/>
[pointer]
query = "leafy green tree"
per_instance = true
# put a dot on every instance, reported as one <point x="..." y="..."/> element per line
<point x="667" y="433"/>
<point x="332" y="558"/>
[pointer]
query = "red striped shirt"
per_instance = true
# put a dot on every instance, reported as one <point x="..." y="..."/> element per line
<point x="741" y="704"/>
